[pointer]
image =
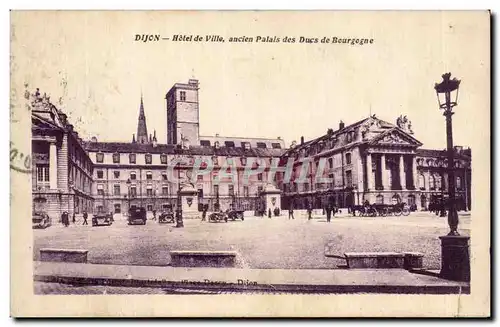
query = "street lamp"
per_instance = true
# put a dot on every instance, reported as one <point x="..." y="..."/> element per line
<point x="447" y="94"/>
<point x="455" y="259"/>
<point x="179" y="221"/>
<point x="128" y="187"/>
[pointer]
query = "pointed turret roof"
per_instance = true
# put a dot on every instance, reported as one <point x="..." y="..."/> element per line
<point x="142" y="130"/>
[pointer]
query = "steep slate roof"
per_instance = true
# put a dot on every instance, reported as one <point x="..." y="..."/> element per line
<point x="326" y="136"/>
<point x="439" y="153"/>
<point x="121" y="147"/>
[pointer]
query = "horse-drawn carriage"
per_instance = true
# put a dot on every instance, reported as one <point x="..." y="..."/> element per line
<point x="381" y="210"/>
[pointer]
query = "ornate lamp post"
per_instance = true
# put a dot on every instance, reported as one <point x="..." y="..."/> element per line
<point x="179" y="221"/>
<point x="128" y="187"/>
<point x="454" y="248"/>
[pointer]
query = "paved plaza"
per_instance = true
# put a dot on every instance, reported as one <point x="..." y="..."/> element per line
<point x="262" y="242"/>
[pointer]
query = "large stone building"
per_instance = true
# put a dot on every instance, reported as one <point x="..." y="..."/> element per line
<point x="370" y="160"/>
<point x="136" y="174"/>
<point x="62" y="177"/>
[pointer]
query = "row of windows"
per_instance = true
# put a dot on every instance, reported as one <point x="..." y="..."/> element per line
<point x="132" y="158"/>
<point x="436" y="183"/>
<point x="245" y="145"/>
<point x="149" y="175"/>
<point x="164" y="190"/>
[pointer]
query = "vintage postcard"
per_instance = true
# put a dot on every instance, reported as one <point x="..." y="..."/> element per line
<point x="250" y="164"/>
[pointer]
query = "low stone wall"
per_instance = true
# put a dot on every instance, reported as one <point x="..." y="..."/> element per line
<point x="64" y="255"/>
<point x="203" y="258"/>
<point x="375" y="260"/>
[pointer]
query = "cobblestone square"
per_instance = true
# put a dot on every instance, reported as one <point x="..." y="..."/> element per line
<point x="262" y="242"/>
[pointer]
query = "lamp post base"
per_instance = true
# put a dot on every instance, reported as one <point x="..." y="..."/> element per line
<point x="455" y="258"/>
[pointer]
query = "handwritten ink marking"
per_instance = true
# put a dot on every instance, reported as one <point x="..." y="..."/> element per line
<point x="18" y="165"/>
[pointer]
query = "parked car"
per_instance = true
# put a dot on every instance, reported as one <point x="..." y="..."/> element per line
<point x="167" y="216"/>
<point x="137" y="216"/>
<point x="41" y="219"/>
<point x="102" y="219"/>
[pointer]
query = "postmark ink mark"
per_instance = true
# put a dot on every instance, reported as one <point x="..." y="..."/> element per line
<point x="19" y="161"/>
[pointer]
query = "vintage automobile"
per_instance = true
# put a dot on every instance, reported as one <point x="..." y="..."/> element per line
<point x="102" y="219"/>
<point x="40" y="219"/>
<point x="167" y="216"/>
<point x="218" y="216"/>
<point x="137" y="216"/>
<point x="234" y="214"/>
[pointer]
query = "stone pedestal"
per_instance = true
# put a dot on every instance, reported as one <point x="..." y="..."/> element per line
<point x="455" y="258"/>
<point x="189" y="201"/>
<point x="273" y="198"/>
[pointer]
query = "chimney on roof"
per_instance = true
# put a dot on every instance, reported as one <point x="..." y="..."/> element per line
<point x="217" y="135"/>
<point x="329" y="131"/>
<point x="133" y="138"/>
<point x="279" y="137"/>
<point x="341" y="125"/>
<point x="301" y="140"/>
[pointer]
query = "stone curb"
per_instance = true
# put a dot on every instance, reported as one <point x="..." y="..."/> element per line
<point x="235" y="287"/>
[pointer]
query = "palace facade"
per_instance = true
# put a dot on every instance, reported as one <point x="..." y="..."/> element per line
<point x="376" y="161"/>
<point x="62" y="178"/>
<point x="370" y="160"/>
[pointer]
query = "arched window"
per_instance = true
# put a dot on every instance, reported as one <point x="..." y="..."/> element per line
<point x="438" y="182"/>
<point x="421" y="181"/>
<point x="396" y="199"/>
<point x="432" y="182"/>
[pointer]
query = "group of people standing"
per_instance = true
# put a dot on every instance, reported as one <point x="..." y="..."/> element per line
<point x="330" y="209"/>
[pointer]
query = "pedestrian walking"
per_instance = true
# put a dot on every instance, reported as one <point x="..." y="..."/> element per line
<point x="204" y="213"/>
<point x="328" y="210"/>
<point x="85" y="216"/>
<point x="269" y="214"/>
<point x="74" y="218"/>
<point x="154" y="214"/>
<point x="290" y="213"/>
<point x="309" y="211"/>
<point x="65" y="219"/>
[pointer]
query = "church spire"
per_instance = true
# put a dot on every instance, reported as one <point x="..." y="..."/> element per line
<point x="142" y="130"/>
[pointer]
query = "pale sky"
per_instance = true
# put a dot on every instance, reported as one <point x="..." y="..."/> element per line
<point x="258" y="89"/>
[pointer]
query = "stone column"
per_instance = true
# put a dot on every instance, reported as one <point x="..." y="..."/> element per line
<point x="414" y="171"/>
<point x="53" y="166"/>
<point x="369" y="175"/>
<point x="385" y="178"/>
<point x="402" y="175"/>
<point x="427" y="180"/>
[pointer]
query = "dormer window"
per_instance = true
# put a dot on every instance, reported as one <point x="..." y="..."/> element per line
<point x="100" y="157"/>
<point x="163" y="159"/>
<point x="148" y="158"/>
<point x="131" y="158"/>
<point x="261" y="145"/>
<point x="276" y="146"/>
<point x="116" y="158"/>
<point x="229" y="144"/>
<point x="216" y="144"/>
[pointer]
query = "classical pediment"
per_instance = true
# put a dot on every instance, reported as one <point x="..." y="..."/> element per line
<point x="397" y="137"/>
<point x="39" y="122"/>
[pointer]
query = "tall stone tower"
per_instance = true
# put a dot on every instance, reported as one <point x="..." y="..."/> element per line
<point x="142" y="130"/>
<point x="183" y="113"/>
